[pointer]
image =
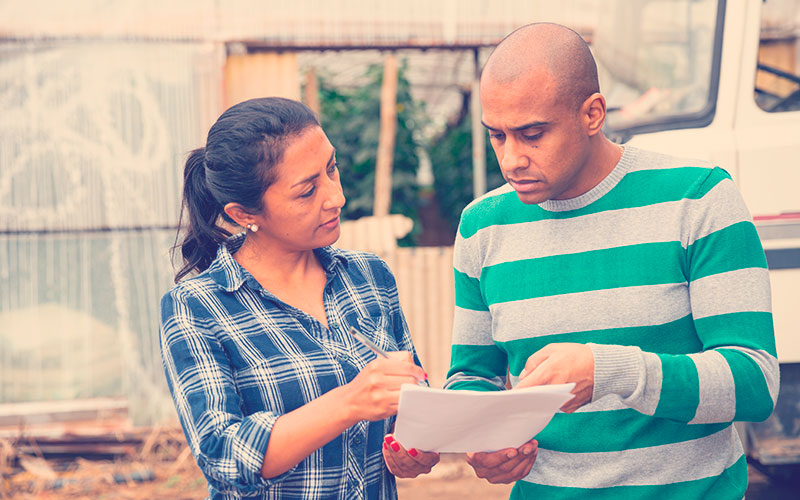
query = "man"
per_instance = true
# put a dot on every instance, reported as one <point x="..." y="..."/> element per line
<point x="638" y="277"/>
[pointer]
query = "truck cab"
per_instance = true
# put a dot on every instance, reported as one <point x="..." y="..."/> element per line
<point x="720" y="81"/>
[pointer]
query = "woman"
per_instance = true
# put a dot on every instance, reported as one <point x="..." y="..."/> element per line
<point x="275" y="398"/>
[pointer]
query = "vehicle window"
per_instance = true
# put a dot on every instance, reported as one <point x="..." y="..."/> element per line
<point x="777" y="86"/>
<point x="655" y="61"/>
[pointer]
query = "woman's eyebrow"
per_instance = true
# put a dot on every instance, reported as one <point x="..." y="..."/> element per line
<point x="312" y="177"/>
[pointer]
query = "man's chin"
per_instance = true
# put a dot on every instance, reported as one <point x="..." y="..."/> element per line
<point x="532" y="198"/>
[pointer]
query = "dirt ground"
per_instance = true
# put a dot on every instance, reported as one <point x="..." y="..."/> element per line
<point x="163" y="469"/>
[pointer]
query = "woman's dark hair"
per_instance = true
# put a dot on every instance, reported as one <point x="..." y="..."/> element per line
<point x="236" y="165"/>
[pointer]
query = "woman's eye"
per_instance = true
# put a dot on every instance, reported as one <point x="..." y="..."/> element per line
<point x="333" y="167"/>
<point x="308" y="193"/>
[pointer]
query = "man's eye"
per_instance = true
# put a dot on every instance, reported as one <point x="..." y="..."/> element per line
<point x="495" y="136"/>
<point x="532" y="137"/>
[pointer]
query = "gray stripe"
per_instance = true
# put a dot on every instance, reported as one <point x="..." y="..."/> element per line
<point x="731" y="292"/>
<point x="472" y="327"/>
<point x="498" y="382"/>
<point x="685" y="461"/>
<point x="717" y="390"/>
<point x="669" y="221"/>
<point x="632" y="306"/>
<point x="647" y="394"/>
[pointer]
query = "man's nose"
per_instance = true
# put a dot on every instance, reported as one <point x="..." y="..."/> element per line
<point x="514" y="156"/>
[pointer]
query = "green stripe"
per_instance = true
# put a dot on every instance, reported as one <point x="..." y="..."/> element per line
<point x="636" y="189"/>
<point x="753" y="402"/>
<point x="731" y="484"/>
<point x="594" y="431"/>
<point x="680" y="391"/>
<point x="485" y="361"/>
<point x="754" y="330"/>
<point x="468" y="292"/>
<point x="743" y="251"/>
<point x="675" y="337"/>
<point x="634" y="265"/>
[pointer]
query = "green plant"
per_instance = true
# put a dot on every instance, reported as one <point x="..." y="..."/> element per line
<point x="351" y="119"/>
<point x="451" y="156"/>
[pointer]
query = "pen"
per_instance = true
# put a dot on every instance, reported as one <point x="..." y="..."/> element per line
<point x="374" y="347"/>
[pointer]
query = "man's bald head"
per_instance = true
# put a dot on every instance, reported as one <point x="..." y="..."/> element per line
<point x="552" y="48"/>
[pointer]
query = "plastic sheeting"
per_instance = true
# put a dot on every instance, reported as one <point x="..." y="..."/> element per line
<point x="93" y="137"/>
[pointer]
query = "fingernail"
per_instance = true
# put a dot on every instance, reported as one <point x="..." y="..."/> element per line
<point x="526" y="451"/>
<point x="412" y="452"/>
<point x="385" y="446"/>
<point x="426" y="375"/>
<point x="395" y="447"/>
<point x="511" y="454"/>
<point x="388" y="439"/>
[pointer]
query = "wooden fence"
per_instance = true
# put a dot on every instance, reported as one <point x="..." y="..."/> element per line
<point x="425" y="284"/>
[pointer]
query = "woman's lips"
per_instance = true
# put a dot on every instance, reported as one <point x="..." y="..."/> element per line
<point x="331" y="223"/>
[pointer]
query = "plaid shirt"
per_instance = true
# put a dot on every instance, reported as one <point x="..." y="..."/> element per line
<point x="236" y="358"/>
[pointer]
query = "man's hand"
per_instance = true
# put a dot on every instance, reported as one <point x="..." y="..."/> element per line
<point x="504" y="466"/>
<point x="407" y="463"/>
<point x="562" y="364"/>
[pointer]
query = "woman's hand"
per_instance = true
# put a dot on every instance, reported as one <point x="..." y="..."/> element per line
<point x="375" y="392"/>
<point x="504" y="466"/>
<point x="407" y="463"/>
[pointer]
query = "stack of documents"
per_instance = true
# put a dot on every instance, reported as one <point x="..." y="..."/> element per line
<point x="468" y="421"/>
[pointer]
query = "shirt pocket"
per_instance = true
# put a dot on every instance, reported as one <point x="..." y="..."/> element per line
<point x="379" y="330"/>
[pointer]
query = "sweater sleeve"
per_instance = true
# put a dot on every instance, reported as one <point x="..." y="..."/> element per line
<point x="476" y="363"/>
<point x="735" y="376"/>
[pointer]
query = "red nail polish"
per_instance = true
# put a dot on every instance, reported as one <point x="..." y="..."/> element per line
<point x="385" y="446"/>
<point x="413" y="452"/>
<point x="388" y="439"/>
<point x="395" y="447"/>
<point x="426" y="375"/>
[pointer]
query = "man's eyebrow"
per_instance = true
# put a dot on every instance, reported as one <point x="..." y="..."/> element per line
<point x="521" y="127"/>
<point x="312" y="177"/>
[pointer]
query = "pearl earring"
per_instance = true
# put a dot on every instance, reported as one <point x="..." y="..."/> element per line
<point x="252" y="227"/>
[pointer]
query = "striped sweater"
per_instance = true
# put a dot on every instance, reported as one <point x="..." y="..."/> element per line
<point x="659" y="269"/>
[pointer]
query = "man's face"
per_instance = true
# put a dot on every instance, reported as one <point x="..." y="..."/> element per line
<point x="540" y="141"/>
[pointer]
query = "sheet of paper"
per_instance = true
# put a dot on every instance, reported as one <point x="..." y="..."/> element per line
<point x="465" y="421"/>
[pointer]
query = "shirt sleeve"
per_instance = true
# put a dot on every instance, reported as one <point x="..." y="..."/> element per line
<point x="735" y="376"/>
<point x="228" y="446"/>
<point x="476" y="363"/>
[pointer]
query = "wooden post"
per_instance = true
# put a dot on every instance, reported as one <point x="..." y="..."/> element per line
<point x="478" y="135"/>
<point x="311" y="91"/>
<point x="385" y="157"/>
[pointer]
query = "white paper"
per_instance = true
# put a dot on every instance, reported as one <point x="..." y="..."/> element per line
<point x="467" y="421"/>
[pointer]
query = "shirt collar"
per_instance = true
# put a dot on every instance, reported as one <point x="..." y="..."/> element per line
<point x="230" y="275"/>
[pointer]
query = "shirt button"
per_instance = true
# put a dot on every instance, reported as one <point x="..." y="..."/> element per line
<point x="357" y="440"/>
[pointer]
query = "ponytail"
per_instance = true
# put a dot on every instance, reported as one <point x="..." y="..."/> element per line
<point x="237" y="165"/>
<point x="203" y="235"/>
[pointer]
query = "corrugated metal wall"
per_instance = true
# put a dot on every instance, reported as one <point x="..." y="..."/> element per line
<point x="92" y="137"/>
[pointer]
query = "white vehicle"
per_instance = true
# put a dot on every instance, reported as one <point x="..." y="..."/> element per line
<point x="720" y="81"/>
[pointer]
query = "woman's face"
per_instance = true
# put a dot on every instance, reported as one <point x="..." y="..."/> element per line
<point x="303" y="204"/>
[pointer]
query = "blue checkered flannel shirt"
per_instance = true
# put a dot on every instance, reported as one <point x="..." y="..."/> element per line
<point x="236" y="358"/>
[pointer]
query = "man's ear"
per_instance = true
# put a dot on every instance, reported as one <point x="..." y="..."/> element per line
<point x="238" y="214"/>
<point x="593" y="113"/>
